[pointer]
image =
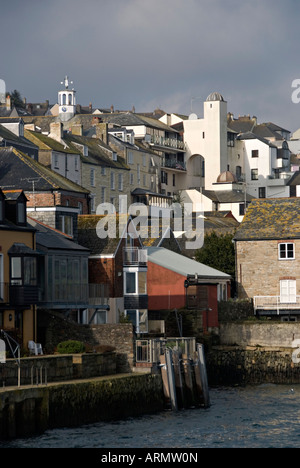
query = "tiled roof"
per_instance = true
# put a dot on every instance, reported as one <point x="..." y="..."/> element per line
<point x="277" y="218"/>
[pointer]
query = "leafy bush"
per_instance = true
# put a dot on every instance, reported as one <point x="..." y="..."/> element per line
<point x="71" y="347"/>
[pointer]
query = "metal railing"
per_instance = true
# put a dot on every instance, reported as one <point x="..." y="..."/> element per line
<point x="275" y="303"/>
<point x="134" y="256"/>
<point x="149" y="351"/>
<point x="168" y="142"/>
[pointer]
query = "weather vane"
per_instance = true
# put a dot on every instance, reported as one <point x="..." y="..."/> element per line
<point x="66" y="82"/>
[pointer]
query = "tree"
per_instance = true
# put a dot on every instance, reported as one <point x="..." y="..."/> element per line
<point x="218" y="252"/>
<point x="16" y="99"/>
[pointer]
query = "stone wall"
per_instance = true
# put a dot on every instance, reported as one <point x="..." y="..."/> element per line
<point x="259" y="333"/>
<point x="27" y="411"/>
<point x="53" y="328"/>
<point x="240" y="366"/>
<point x="58" y="368"/>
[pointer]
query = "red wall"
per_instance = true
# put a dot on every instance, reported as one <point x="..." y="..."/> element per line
<point x="166" y="291"/>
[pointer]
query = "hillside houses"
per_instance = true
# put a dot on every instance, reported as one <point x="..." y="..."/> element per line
<point x="75" y="165"/>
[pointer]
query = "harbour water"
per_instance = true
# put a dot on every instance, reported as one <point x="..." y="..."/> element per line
<point x="265" y="416"/>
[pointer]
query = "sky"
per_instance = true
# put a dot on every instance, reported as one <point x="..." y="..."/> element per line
<point x="169" y="54"/>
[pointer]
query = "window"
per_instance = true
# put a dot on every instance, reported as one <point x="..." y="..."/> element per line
<point x="144" y="180"/>
<point x="230" y="139"/>
<point x="92" y="178"/>
<point x="76" y="164"/>
<point x="103" y="170"/>
<point x="56" y="163"/>
<point x="131" y="179"/>
<point x="164" y="177"/>
<point x="65" y="224"/>
<point x="21" y="213"/>
<point x="262" y="192"/>
<point x="254" y="174"/>
<point x="30" y="276"/>
<point x="144" y="160"/>
<point x="130" y="157"/>
<point x="286" y="251"/>
<point x="242" y="209"/>
<point x="255" y="153"/>
<point x="174" y="180"/>
<point x="288" y="291"/>
<point x="238" y="172"/>
<point x="80" y="207"/>
<point x="23" y="271"/>
<point x="139" y="318"/>
<point x="130" y="283"/>
<point x="135" y="282"/>
<point x="120" y="182"/>
<point x="102" y="194"/>
<point x="138" y="174"/>
<point x="93" y="203"/>
<point x="112" y="181"/>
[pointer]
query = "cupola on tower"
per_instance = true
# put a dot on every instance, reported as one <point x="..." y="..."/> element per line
<point x="67" y="101"/>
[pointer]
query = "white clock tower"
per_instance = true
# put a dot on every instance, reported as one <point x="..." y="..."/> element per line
<point x="67" y="101"/>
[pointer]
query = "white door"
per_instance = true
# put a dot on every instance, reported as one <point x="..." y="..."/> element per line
<point x="288" y="291"/>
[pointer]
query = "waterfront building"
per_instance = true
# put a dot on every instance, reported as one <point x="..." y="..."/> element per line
<point x="18" y="268"/>
<point x="267" y="257"/>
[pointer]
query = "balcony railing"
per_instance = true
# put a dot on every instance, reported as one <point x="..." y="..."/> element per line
<point x="71" y="295"/>
<point x="174" y="164"/>
<point x="168" y="142"/>
<point x="276" y="303"/>
<point x="134" y="256"/>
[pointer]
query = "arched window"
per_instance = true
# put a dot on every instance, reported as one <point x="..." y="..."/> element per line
<point x="64" y="99"/>
<point x="70" y="103"/>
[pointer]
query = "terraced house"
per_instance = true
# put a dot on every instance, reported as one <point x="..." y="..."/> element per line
<point x="18" y="268"/>
<point x="268" y="257"/>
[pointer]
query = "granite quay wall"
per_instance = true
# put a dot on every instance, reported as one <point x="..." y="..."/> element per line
<point x="58" y="368"/>
<point x="28" y="411"/>
<point x="241" y="366"/>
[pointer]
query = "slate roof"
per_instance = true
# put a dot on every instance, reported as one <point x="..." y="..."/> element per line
<point x="88" y="237"/>
<point x="46" y="143"/>
<point x="9" y="136"/>
<point x="227" y="196"/>
<point x="96" y="151"/>
<point x="183" y="265"/>
<point x="51" y="239"/>
<point x="17" y="169"/>
<point x="266" y="219"/>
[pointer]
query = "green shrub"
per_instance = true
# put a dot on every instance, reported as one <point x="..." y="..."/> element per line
<point x="71" y="347"/>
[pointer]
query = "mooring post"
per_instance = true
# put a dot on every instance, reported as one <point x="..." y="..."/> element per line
<point x="171" y="379"/>
<point x="203" y="375"/>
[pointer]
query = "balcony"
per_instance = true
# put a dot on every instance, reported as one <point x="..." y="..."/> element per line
<point x="134" y="256"/>
<point x="168" y="143"/>
<point x="174" y="164"/>
<point x="58" y="296"/>
<point x="275" y="305"/>
<point x="16" y="295"/>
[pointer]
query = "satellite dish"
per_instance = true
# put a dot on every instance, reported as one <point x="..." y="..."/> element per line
<point x="193" y="117"/>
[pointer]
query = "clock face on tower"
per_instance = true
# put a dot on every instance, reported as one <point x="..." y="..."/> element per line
<point x="64" y="109"/>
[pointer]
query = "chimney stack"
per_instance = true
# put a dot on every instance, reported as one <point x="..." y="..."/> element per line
<point x="8" y="102"/>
